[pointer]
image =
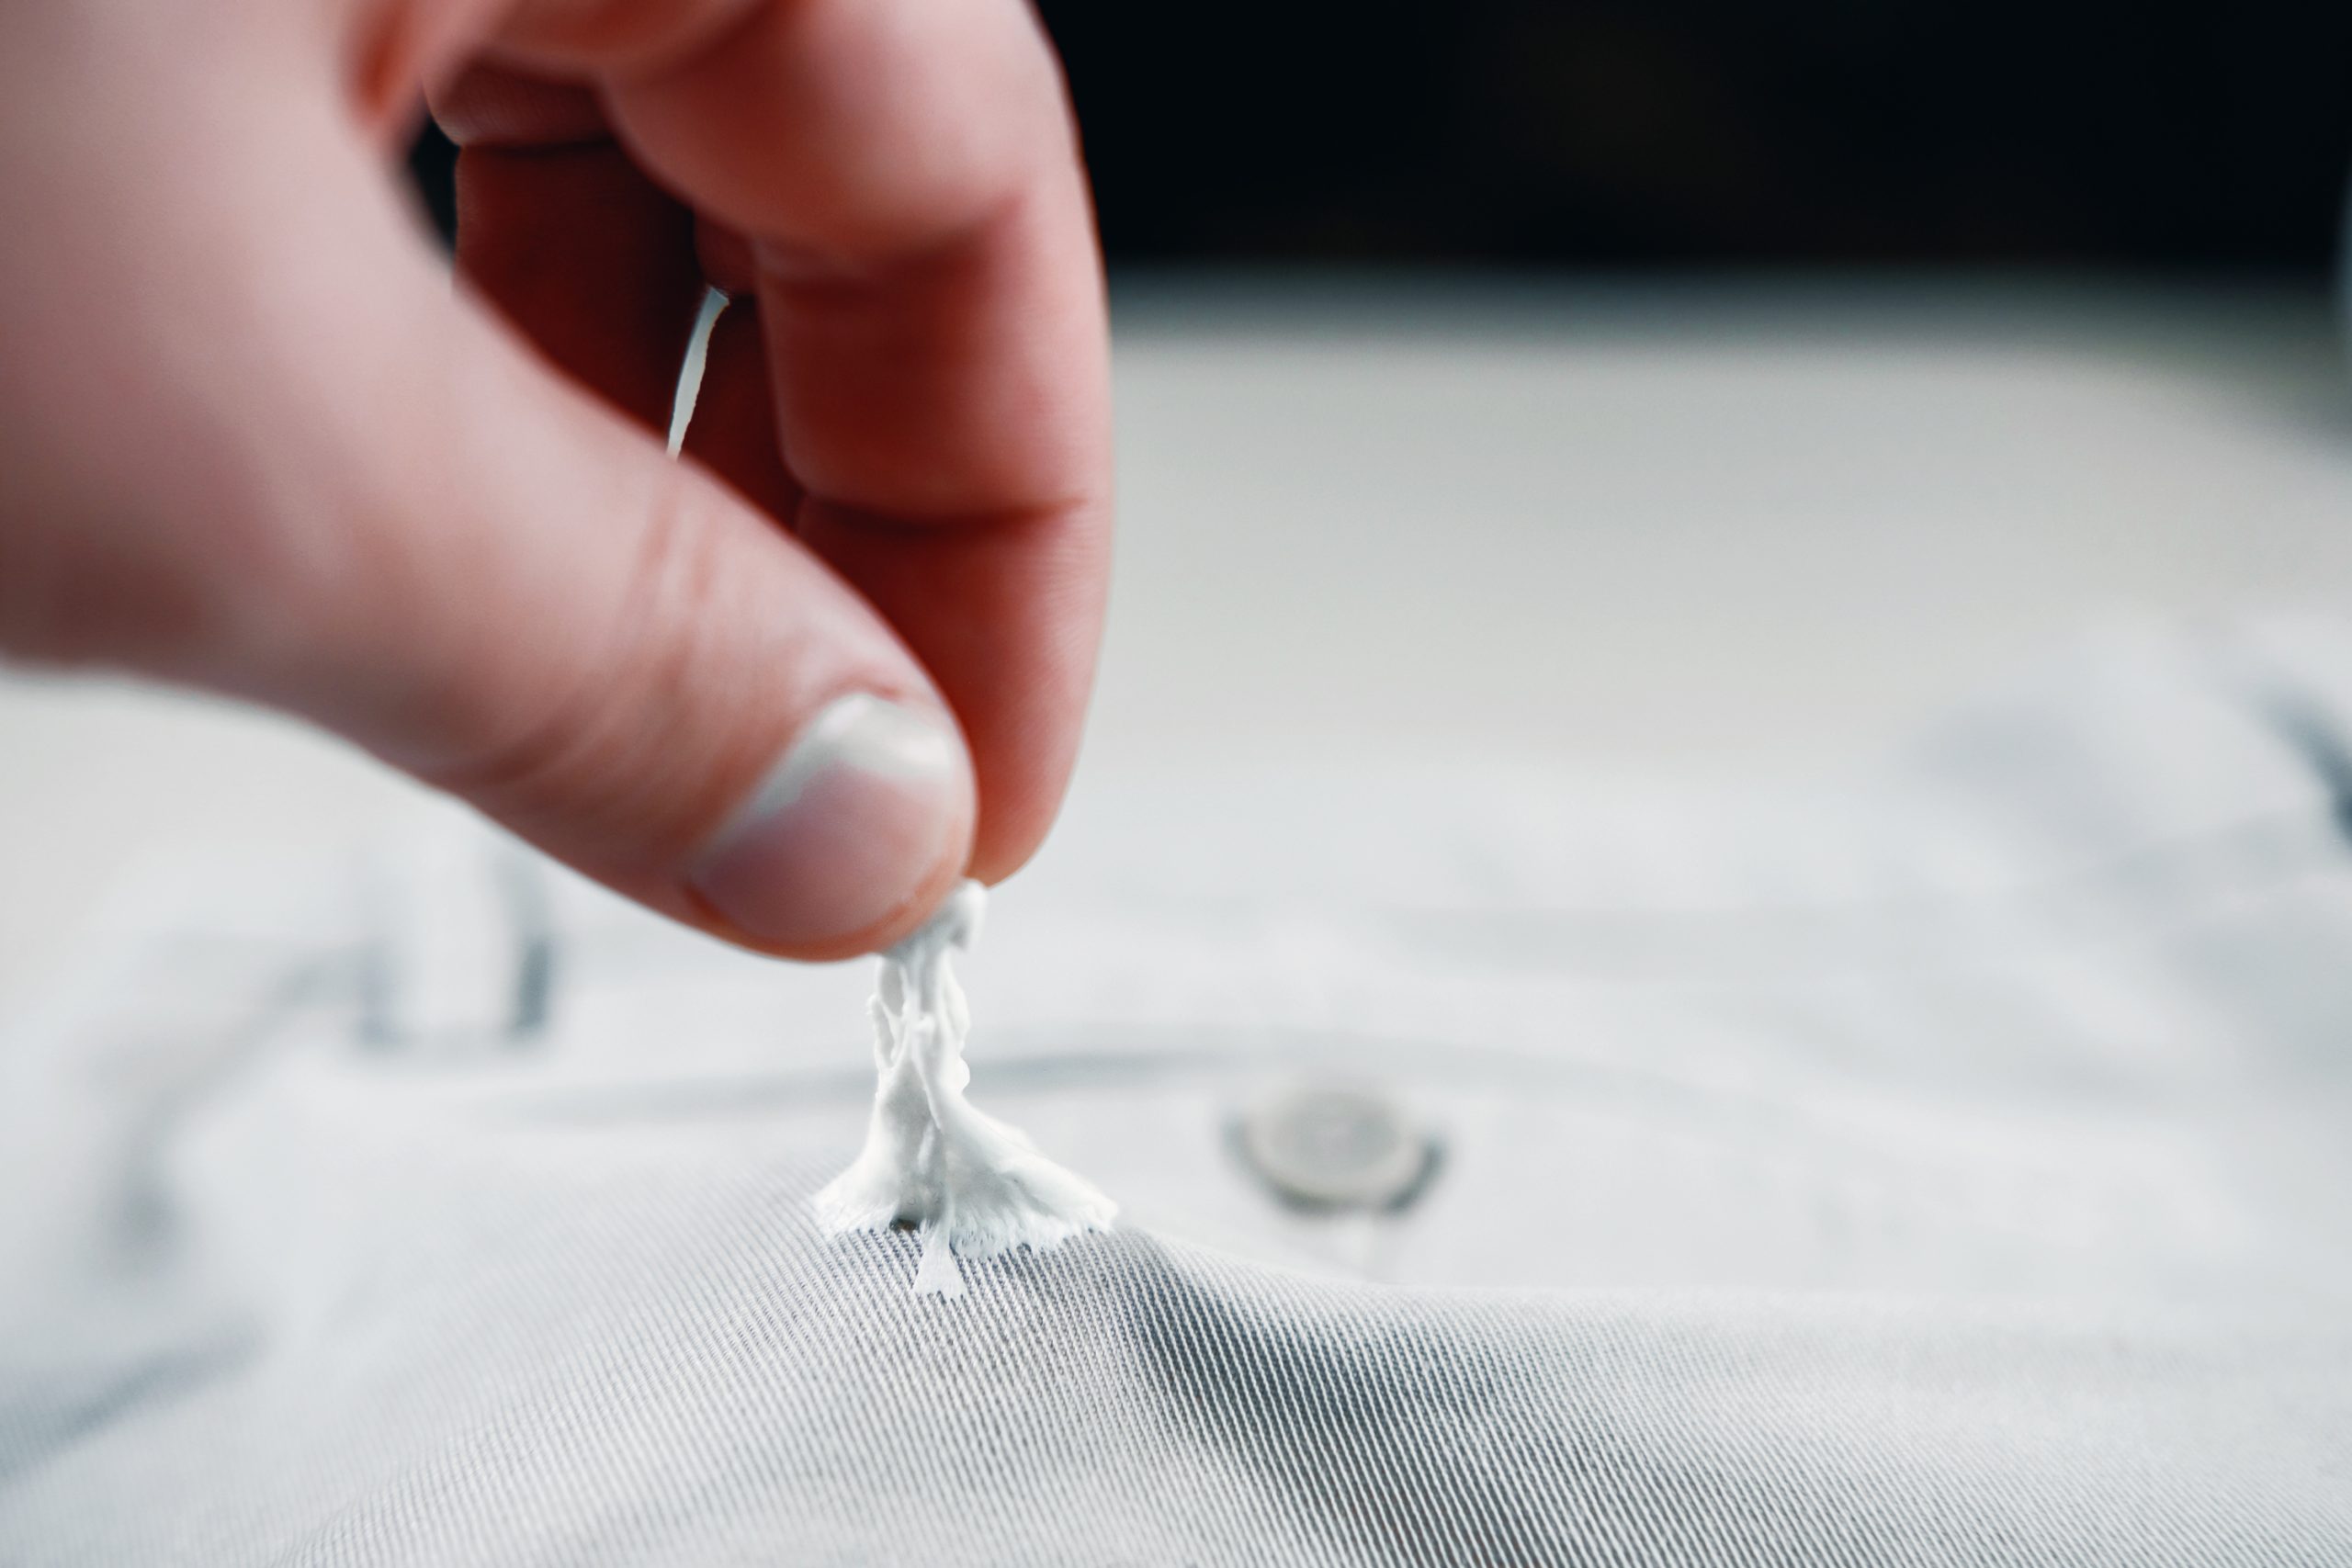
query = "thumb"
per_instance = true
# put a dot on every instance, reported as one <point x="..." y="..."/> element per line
<point x="491" y="579"/>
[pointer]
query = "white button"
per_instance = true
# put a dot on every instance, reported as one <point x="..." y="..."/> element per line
<point x="1335" y="1146"/>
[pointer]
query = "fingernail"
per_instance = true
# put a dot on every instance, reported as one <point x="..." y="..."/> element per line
<point x="847" y="827"/>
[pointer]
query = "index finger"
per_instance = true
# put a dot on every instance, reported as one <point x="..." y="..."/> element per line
<point x="909" y="176"/>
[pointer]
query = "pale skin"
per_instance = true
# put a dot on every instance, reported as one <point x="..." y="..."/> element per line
<point x="252" y="439"/>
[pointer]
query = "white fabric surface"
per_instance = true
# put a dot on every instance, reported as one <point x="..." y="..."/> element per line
<point x="1951" y="1166"/>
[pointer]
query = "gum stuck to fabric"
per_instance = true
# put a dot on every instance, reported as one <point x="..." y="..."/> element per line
<point x="969" y="1183"/>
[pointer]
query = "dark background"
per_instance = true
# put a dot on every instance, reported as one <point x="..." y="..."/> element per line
<point x="1707" y="133"/>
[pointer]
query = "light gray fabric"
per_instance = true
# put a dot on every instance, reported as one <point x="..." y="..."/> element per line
<point x="1949" y="1166"/>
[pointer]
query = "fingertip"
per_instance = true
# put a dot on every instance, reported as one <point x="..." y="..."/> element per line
<point x="852" y="837"/>
<point x="492" y="105"/>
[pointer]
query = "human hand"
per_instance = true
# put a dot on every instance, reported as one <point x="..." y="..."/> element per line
<point x="251" y="440"/>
